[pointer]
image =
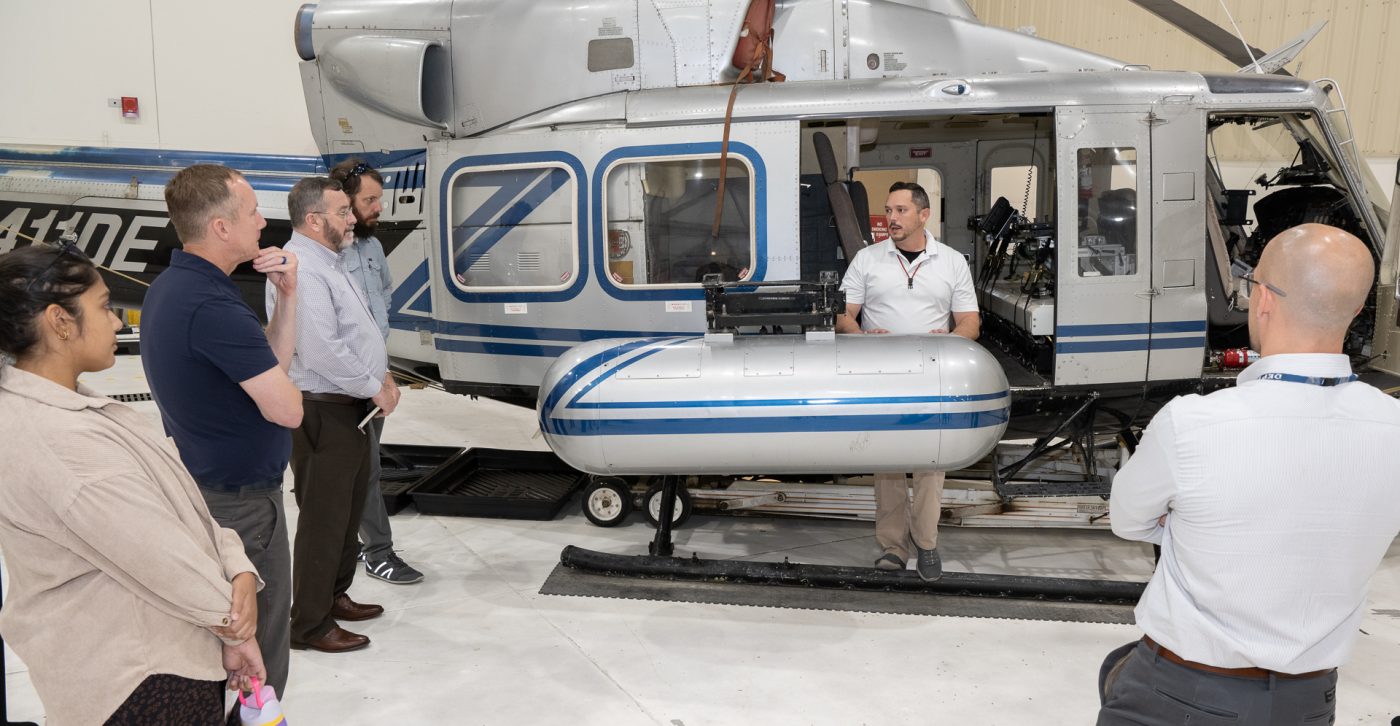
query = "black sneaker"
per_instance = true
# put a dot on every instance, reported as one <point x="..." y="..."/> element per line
<point x="930" y="565"/>
<point x="393" y="570"/>
<point x="889" y="561"/>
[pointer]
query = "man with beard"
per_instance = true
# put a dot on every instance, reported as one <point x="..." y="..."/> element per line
<point x="365" y="263"/>
<point x="1262" y="582"/>
<point x="342" y="369"/>
<point x="909" y="284"/>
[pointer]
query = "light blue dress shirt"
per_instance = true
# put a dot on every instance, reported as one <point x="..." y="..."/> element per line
<point x="365" y="263"/>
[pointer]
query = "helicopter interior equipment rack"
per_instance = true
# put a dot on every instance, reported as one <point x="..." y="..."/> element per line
<point x="812" y="306"/>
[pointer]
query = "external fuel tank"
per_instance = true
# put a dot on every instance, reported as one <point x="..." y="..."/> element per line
<point x="774" y="404"/>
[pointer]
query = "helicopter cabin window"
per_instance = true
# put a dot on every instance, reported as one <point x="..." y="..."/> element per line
<point x="1020" y="185"/>
<point x="513" y="228"/>
<point x="1107" y="212"/>
<point x="660" y="221"/>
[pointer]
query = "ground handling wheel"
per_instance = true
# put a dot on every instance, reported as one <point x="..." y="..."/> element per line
<point x="651" y="502"/>
<point x="607" y="501"/>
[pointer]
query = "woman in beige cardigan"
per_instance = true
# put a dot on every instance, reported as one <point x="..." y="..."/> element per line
<point x="126" y="600"/>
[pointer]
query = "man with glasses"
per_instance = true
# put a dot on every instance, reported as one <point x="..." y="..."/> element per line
<point x="1273" y="502"/>
<point x="221" y="382"/>
<point x="365" y="262"/>
<point x="341" y="367"/>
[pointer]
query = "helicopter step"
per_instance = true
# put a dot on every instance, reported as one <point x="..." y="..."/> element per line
<point x="1054" y="489"/>
<point x="1059" y="469"/>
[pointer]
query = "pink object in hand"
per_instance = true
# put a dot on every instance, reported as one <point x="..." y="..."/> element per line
<point x="265" y="709"/>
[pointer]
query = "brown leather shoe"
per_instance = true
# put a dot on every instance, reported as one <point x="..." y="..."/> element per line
<point x="346" y="609"/>
<point x="336" y="640"/>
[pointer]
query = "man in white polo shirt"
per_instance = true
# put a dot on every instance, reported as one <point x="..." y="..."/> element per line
<point x="909" y="284"/>
<point x="1273" y="502"/>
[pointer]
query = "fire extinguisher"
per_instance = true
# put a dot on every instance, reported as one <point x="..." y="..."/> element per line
<point x="1233" y="359"/>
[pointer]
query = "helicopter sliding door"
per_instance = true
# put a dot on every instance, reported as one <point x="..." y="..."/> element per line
<point x="1103" y="309"/>
<point x="1179" y="230"/>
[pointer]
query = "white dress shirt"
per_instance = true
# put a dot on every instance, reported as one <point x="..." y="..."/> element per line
<point x="1282" y="498"/>
<point x="909" y="297"/>
<point x="339" y="348"/>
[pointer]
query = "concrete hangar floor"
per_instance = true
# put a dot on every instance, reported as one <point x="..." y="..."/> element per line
<point x="476" y="642"/>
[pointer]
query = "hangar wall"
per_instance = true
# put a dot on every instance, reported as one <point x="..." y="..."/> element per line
<point x="1359" y="47"/>
<point x="63" y="59"/>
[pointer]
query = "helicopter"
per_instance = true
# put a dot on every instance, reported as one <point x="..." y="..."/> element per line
<point x="540" y="196"/>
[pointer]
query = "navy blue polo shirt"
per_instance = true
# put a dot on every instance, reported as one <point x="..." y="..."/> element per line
<point x="199" y="340"/>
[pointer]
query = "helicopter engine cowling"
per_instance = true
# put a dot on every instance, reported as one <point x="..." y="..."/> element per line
<point x="774" y="404"/>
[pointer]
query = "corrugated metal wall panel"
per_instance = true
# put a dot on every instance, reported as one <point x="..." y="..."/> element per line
<point x="1384" y="115"/>
<point x="1356" y="48"/>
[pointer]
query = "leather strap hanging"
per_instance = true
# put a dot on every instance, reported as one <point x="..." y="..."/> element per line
<point x="758" y="30"/>
<point x="755" y="51"/>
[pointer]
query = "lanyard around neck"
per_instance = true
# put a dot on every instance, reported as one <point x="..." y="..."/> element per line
<point x="1309" y="380"/>
<point x="909" y="274"/>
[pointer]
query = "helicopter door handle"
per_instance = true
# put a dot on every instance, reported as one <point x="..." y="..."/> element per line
<point x="1149" y="293"/>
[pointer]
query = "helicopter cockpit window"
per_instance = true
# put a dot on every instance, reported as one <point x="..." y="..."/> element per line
<point x="1108" y="219"/>
<point x="513" y="228"/>
<point x="660" y="221"/>
<point x="1270" y="171"/>
<point x="1020" y="185"/>
<point x="1283" y="168"/>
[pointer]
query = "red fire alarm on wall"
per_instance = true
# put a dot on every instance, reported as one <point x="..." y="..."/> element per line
<point x="130" y="107"/>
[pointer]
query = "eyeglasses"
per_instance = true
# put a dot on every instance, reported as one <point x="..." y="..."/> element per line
<point x="343" y="214"/>
<point x="1250" y="281"/>
<point x="67" y="245"/>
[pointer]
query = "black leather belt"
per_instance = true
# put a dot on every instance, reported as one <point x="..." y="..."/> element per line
<point x="340" y="398"/>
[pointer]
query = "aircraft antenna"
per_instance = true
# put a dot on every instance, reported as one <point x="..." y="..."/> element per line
<point x="1252" y="60"/>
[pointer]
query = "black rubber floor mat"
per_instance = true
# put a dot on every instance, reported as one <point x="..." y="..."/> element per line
<point x="574" y="582"/>
<point x="498" y="483"/>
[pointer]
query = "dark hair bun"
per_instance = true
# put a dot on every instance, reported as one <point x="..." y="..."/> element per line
<point x="33" y="278"/>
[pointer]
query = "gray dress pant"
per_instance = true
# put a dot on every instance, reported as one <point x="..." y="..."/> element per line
<point x="376" y="539"/>
<point x="1137" y="686"/>
<point x="260" y="519"/>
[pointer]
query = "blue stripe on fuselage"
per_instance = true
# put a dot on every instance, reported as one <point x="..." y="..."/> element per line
<point x="768" y="402"/>
<point x="780" y="424"/>
<point x="581" y="369"/>
<point x="265" y="172"/>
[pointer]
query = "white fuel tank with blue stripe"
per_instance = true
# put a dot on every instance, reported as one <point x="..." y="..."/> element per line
<point x="774" y="404"/>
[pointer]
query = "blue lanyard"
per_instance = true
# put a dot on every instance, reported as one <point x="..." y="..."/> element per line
<point x="1310" y="380"/>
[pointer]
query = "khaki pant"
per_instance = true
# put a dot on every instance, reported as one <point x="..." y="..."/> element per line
<point x="896" y="522"/>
